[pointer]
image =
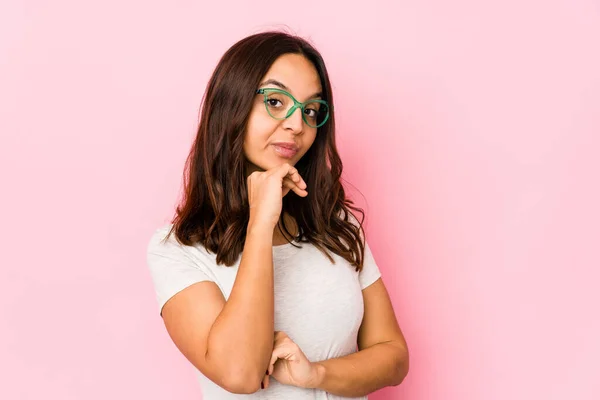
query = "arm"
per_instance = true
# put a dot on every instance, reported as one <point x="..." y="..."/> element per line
<point x="382" y="359"/>
<point x="231" y="341"/>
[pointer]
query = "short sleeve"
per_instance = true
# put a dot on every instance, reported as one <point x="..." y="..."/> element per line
<point x="171" y="267"/>
<point x="370" y="272"/>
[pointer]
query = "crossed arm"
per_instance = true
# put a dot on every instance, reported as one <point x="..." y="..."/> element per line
<point x="382" y="359"/>
<point x="215" y="338"/>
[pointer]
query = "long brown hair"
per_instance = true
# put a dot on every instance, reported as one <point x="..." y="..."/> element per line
<point x="214" y="210"/>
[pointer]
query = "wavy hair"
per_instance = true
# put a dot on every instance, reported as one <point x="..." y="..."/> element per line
<point x="214" y="209"/>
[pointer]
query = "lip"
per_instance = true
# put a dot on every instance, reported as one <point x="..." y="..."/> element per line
<point x="287" y="145"/>
<point x="286" y="149"/>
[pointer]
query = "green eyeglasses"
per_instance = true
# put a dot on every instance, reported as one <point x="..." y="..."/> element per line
<point x="281" y="105"/>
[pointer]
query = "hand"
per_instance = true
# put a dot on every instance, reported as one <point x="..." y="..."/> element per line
<point x="266" y="190"/>
<point x="290" y="366"/>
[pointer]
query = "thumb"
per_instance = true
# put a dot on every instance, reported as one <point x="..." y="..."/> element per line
<point x="280" y="352"/>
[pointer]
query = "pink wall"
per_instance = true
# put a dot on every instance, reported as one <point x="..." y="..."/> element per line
<point x="472" y="129"/>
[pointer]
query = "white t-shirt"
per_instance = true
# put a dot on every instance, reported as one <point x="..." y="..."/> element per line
<point x="319" y="305"/>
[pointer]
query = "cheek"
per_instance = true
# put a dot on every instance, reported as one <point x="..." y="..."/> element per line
<point x="257" y="134"/>
<point x="308" y="139"/>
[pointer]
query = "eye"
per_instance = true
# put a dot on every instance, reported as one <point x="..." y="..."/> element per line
<point x="275" y="99"/>
<point x="310" y="113"/>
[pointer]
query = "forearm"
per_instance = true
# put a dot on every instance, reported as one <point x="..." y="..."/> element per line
<point x="363" y="372"/>
<point x="241" y="338"/>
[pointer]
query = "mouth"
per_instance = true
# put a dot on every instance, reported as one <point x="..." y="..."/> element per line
<point x="285" y="150"/>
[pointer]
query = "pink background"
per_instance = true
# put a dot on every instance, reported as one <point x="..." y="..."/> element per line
<point x="471" y="128"/>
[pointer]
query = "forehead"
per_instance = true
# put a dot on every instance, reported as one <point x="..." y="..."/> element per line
<point x="297" y="73"/>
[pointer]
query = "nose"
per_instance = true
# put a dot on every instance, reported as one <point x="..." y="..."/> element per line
<point x="294" y="122"/>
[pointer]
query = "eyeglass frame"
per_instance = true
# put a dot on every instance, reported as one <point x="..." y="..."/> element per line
<point x="296" y="105"/>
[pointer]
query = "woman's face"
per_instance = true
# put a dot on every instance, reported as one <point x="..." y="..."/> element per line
<point x="267" y="141"/>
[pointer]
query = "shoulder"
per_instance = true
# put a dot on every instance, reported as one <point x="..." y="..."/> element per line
<point x="160" y="233"/>
<point x="175" y="266"/>
<point x="165" y="245"/>
<point x="161" y="242"/>
<point x="370" y="271"/>
<point x="350" y="216"/>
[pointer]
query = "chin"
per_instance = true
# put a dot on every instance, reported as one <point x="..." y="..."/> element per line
<point x="271" y="163"/>
<point x="277" y="161"/>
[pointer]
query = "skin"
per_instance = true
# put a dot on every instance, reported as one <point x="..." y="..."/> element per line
<point x="383" y="359"/>
<point x="301" y="80"/>
<point x="233" y="342"/>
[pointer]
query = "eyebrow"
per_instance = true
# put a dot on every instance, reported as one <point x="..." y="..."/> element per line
<point x="282" y="86"/>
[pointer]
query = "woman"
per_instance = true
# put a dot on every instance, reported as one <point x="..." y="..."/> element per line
<point x="264" y="279"/>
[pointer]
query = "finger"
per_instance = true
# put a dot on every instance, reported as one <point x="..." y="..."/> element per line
<point x="282" y="170"/>
<point x="278" y="352"/>
<point x="271" y="368"/>
<point x="280" y="335"/>
<point x="272" y="362"/>
<point x="265" y="382"/>
<point x="285" y="352"/>
<point x="287" y="170"/>
<point x="286" y="186"/>
<point x="295" y="176"/>
<point x="287" y="183"/>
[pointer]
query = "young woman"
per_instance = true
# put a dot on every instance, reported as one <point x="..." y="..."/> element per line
<point x="264" y="278"/>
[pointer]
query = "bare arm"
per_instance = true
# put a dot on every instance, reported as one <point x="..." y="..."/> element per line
<point x="230" y="341"/>
<point x="241" y="338"/>
<point x="382" y="359"/>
